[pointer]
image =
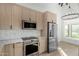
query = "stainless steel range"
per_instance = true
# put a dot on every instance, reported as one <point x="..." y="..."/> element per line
<point x="30" y="46"/>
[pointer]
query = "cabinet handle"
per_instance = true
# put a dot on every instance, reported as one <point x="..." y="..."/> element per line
<point x="13" y="46"/>
<point x="10" y="26"/>
<point x="13" y="49"/>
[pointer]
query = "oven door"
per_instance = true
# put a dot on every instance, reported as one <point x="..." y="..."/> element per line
<point x="31" y="49"/>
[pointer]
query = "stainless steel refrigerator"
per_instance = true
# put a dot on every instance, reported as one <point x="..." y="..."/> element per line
<point x="52" y="42"/>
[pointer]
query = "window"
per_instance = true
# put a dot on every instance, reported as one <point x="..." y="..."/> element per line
<point x="71" y="30"/>
<point x="75" y="31"/>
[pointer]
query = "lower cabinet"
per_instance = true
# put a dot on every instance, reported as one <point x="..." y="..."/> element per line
<point x="8" y="50"/>
<point x="18" y="49"/>
<point x="42" y="45"/>
<point x="15" y="49"/>
<point x="1" y="51"/>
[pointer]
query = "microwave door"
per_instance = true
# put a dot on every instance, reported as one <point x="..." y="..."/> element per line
<point x="28" y="25"/>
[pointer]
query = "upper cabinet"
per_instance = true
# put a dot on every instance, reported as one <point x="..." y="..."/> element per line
<point x="50" y="16"/>
<point x="32" y="15"/>
<point x="25" y="13"/>
<point x="39" y="17"/>
<point x="47" y="17"/>
<point x="28" y="14"/>
<point x="5" y="16"/>
<point x="16" y="17"/>
<point x="10" y="16"/>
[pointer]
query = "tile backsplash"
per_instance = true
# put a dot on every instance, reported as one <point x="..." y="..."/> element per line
<point x="14" y="34"/>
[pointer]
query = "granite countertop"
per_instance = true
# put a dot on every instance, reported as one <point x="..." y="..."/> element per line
<point x="10" y="41"/>
<point x="15" y="40"/>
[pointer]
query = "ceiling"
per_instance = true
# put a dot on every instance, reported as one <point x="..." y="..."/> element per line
<point x="53" y="7"/>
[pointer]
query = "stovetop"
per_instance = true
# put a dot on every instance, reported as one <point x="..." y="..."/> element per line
<point x="29" y="38"/>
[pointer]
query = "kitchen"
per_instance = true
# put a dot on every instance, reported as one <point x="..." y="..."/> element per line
<point x="21" y="26"/>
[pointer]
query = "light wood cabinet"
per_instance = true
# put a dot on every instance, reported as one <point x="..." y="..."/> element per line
<point x="10" y="16"/>
<point x="40" y="22"/>
<point x="16" y="17"/>
<point x="42" y="45"/>
<point x="15" y="49"/>
<point x="47" y="17"/>
<point x="50" y="16"/>
<point x="18" y="50"/>
<point x="9" y="50"/>
<point x="25" y="13"/>
<point x="32" y="15"/>
<point x="28" y="14"/>
<point x="5" y="16"/>
<point x="1" y="51"/>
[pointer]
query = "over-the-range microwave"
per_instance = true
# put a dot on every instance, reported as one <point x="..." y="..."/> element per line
<point x="28" y="25"/>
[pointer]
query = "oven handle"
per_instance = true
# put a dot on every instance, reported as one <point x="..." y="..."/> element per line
<point x="36" y="44"/>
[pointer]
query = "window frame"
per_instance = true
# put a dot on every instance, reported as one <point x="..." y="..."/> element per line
<point x="69" y="30"/>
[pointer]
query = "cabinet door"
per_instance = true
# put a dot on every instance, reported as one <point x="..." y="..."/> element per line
<point x="16" y="17"/>
<point x="25" y="13"/>
<point x="5" y="16"/>
<point x="1" y="51"/>
<point x="32" y="15"/>
<point x="18" y="49"/>
<point x="51" y="17"/>
<point x="9" y="50"/>
<point x="42" y="45"/>
<point x="39" y="21"/>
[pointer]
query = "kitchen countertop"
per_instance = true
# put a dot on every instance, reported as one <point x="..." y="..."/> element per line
<point x="14" y="40"/>
<point x="10" y="41"/>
